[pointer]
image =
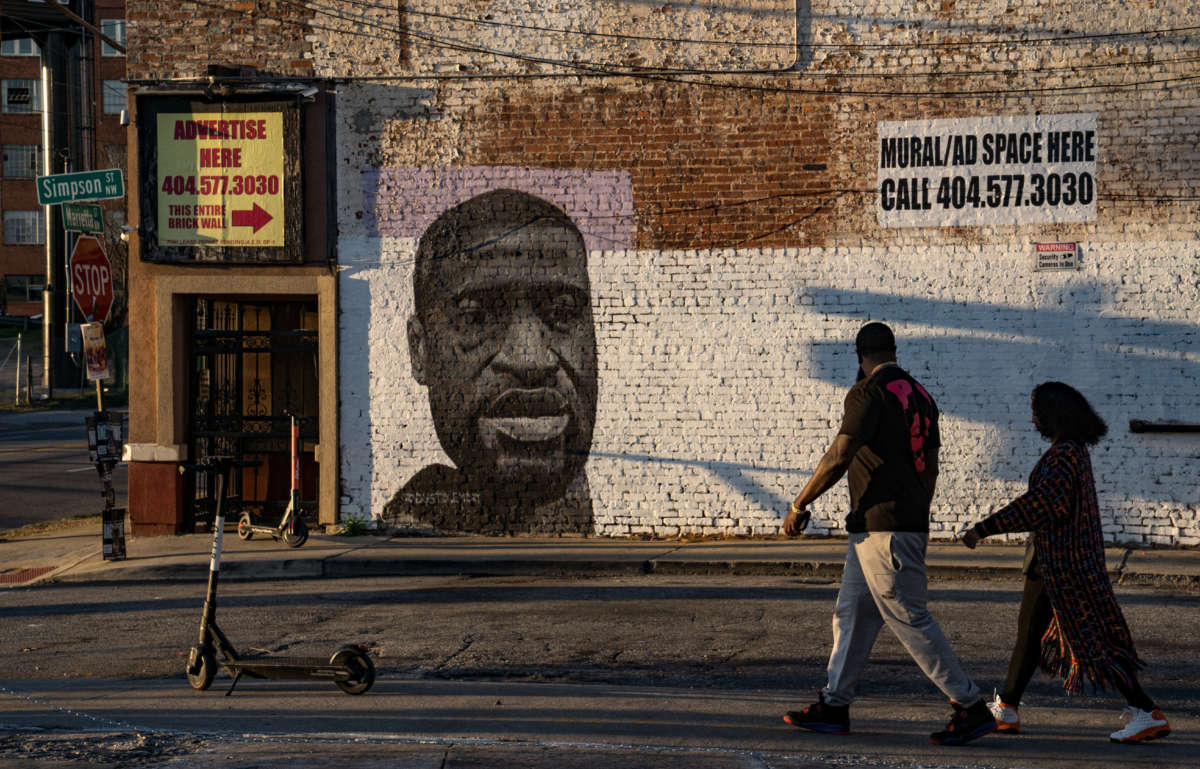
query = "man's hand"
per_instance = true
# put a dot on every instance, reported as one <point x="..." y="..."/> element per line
<point x="970" y="539"/>
<point x="796" y="521"/>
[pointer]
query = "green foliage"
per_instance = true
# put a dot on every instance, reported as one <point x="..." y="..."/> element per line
<point x="354" y="527"/>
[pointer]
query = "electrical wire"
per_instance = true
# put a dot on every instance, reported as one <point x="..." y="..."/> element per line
<point x="676" y="76"/>
<point x="833" y="196"/>
<point x="1066" y="38"/>
<point x="1134" y="63"/>
<point x="396" y="29"/>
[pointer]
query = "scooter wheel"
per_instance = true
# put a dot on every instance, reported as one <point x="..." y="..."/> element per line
<point x="296" y="534"/>
<point x="362" y="670"/>
<point x="206" y="670"/>
<point x="246" y="526"/>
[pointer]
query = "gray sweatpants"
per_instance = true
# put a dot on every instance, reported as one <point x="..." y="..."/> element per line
<point x="884" y="581"/>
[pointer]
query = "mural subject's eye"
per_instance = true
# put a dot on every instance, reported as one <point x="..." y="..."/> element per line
<point x="470" y="311"/>
<point x="562" y="311"/>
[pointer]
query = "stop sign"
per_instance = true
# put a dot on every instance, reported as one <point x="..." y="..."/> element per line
<point x="91" y="279"/>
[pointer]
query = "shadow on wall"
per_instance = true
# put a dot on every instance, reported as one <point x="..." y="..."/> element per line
<point x="981" y="361"/>
<point x="734" y="474"/>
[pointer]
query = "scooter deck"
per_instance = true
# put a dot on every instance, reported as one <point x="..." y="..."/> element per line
<point x="287" y="667"/>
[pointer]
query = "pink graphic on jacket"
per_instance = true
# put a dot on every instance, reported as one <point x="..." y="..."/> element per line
<point x="916" y="414"/>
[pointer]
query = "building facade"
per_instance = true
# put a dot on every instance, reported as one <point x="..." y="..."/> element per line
<point x="1012" y="185"/>
<point x="99" y="70"/>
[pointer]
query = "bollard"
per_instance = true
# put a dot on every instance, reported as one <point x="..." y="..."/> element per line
<point x="17" y="386"/>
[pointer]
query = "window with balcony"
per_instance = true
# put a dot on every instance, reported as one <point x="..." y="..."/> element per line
<point x="22" y="96"/>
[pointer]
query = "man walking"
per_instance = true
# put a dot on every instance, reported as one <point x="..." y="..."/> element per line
<point x="888" y="441"/>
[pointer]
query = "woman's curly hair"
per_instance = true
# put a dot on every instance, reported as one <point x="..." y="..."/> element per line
<point x="1060" y="412"/>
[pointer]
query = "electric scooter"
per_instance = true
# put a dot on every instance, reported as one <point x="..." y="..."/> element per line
<point x="291" y="529"/>
<point x="349" y="668"/>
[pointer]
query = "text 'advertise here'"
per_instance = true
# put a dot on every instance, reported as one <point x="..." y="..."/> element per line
<point x="220" y="179"/>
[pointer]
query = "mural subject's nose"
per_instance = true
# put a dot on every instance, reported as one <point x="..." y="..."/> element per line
<point x="525" y="350"/>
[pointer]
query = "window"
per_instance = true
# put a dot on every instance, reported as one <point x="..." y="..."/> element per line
<point x="23" y="227"/>
<point x="22" y="95"/>
<point x="114" y="97"/>
<point x="19" y="46"/>
<point x="114" y="28"/>
<point x="23" y="288"/>
<point x="22" y="161"/>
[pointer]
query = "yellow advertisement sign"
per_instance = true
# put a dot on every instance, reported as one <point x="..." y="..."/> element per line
<point x="220" y="179"/>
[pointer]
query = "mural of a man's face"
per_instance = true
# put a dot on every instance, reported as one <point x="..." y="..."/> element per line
<point x="503" y="338"/>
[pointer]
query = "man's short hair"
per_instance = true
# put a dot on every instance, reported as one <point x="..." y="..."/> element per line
<point x="451" y="233"/>
<point x="875" y="338"/>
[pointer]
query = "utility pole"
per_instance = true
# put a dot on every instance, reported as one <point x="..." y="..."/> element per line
<point x="55" y="72"/>
<point x="61" y="149"/>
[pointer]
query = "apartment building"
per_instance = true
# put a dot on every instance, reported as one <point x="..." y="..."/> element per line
<point x="96" y="72"/>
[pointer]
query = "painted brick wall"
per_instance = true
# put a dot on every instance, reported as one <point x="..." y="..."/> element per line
<point x="179" y="40"/>
<point x="727" y="196"/>
<point x="720" y="387"/>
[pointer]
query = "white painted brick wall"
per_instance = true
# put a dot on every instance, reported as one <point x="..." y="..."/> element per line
<point x="722" y="375"/>
<point x="722" y="371"/>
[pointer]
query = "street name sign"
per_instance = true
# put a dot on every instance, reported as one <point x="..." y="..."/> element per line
<point x="91" y="279"/>
<point x="82" y="218"/>
<point x="85" y="185"/>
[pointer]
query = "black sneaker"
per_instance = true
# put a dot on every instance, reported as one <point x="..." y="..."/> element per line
<point x="821" y="717"/>
<point x="965" y="725"/>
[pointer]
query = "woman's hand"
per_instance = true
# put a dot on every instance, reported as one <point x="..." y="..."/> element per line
<point x="970" y="539"/>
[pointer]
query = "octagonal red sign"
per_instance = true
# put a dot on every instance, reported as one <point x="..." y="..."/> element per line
<point x="91" y="279"/>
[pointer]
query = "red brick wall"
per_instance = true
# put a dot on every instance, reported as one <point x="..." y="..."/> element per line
<point x="180" y="40"/>
<point x="708" y="166"/>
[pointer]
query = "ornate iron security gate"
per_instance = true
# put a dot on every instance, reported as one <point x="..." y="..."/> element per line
<point x="251" y="363"/>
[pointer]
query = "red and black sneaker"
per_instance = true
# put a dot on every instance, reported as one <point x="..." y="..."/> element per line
<point x="821" y="717"/>
<point x="965" y="725"/>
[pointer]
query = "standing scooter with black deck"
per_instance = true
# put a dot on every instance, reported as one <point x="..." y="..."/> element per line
<point x="291" y="529"/>
<point x="349" y="668"/>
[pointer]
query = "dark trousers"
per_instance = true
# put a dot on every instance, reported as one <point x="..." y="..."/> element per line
<point x="1032" y="621"/>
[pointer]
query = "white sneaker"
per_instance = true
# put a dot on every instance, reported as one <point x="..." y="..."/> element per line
<point x="1143" y="725"/>
<point x="1007" y="720"/>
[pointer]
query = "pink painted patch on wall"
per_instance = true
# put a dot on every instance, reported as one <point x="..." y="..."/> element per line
<point x="403" y="201"/>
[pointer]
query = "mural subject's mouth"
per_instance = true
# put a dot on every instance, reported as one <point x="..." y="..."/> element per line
<point x="528" y="416"/>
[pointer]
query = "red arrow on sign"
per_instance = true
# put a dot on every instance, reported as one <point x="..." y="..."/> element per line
<point x="91" y="279"/>
<point x="256" y="217"/>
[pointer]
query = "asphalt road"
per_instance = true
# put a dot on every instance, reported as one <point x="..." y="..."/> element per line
<point x="45" y="474"/>
<point x="633" y="671"/>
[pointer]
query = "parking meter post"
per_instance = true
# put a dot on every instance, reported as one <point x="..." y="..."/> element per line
<point x="106" y="437"/>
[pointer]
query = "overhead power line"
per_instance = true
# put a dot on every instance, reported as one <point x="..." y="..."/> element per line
<point x="1129" y="63"/>
<point x="682" y="76"/>
<point x="1048" y="40"/>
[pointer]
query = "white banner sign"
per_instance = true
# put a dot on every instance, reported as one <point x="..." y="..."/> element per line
<point x="964" y="172"/>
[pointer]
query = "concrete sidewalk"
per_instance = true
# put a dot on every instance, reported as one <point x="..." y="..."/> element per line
<point x="72" y="553"/>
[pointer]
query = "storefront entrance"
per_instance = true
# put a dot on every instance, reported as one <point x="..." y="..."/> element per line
<point x="251" y="363"/>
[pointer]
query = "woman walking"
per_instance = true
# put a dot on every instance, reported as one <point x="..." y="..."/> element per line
<point x="1069" y="617"/>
